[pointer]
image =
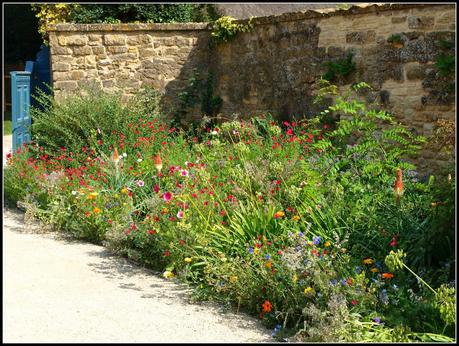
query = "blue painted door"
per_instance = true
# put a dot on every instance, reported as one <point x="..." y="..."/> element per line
<point x="20" y="104"/>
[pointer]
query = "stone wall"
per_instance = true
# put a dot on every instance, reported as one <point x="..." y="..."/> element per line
<point x="275" y="67"/>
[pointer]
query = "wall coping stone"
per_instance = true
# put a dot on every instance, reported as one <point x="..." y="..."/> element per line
<point x="61" y="27"/>
<point x="285" y="17"/>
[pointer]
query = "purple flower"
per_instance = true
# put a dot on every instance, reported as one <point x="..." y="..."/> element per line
<point x="316" y="240"/>
<point x="251" y="250"/>
<point x="300" y="234"/>
<point x="333" y="282"/>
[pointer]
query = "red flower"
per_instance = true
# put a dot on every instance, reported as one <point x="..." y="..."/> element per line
<point x="267" y="306"/>
<point x="354" y="302"/>
<point x="152" y="231"/>
<point x="393" y="242"/>
<point x="167" y="253"/>
<point x="349" y="281"/>
<point x="156" y="188"/>
<point x="181" y="242"/>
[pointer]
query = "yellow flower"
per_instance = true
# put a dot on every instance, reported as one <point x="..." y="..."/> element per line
<point x="327" y="244"/>
<point x="367" y="261"/>
<point x="295" y="279"/>
<point x="168" y="274"/>
<point x="296" y="218"/>
<point x="233" y="279"/>
<point x="256" y="251"/>
<point x="92" y="195"/>
<point x="374" y="270"/>
<point x="188" y="260"/>
<point x="96" y="210"/>
<point x="309" y="291"/>
<point x="124" y="190"/>
<point x="165" y="210"/>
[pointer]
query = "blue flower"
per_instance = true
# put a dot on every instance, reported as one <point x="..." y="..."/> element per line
<point x="250" y="249"/>
<point x="316" y="240"/>
<point x="377" y="320"/>
<point x="343" y="282"/>
<point x="300" y="234"/>
<point x="267" y="256"/>
<point x="333" y="282"/>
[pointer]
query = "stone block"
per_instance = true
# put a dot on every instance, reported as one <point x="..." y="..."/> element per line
<point x="82" y="50"/>
<point x="76" y="40"/>
<point x="109" y="83"/>
<point x="114" y="40"/>
<point x="77" y="75"/>
<point x="415" y="71"/>
<point x="117" y="49"/>
<point x="66" y="85"/>
<point x="56" y="50"/>
<point x="133" y="40"/>
<point x="361" y="37"/>
<point x="398" y="20"/>
<point x="61" y="67"/>
<point x="145" y="53"/>
<point x="98" y="50"/>
<point x="421" y="22"/>
<point x="60" y="76"/>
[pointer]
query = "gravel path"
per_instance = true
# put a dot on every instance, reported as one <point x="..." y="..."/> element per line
<point x="56" y="290"/>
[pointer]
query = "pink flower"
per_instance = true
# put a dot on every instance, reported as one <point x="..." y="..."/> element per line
<point x="354" y="302"/>
<point x="156" y="188"/>
<point x="140" y="183"/>
<point x="180" y="214"/>
<point x="184" y="173"/>
<point x="167" y="196"/>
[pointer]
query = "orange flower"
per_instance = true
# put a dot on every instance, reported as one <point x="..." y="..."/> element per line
<point x="387" y="275"/>
<point x="96" y="210"/>
<point x="367" y="261"/>
<point x="279" y="214"/>
<point x="267" y="306"/>
<point x="158" y="162"/>
<point x="116" y="157"/>
<point x="398" y="186"/>
<point x="269" y="264"/>
<point x="374" y="270"/>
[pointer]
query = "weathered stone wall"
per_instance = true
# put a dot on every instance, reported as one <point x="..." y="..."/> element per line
<point x="275" y="67"/>
<point x="127" y="56"/>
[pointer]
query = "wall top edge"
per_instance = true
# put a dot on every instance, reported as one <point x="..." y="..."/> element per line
<point x="291" y="16"/>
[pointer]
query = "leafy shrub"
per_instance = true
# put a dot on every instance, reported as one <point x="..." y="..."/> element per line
<point x="224" y="29"/>
<point x="340" y="68"/>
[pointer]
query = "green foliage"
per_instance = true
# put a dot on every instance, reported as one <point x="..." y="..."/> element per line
<point x="84" y="120"/>
<point x="289" y="221"/>
<point x="7" y="127"/>
<point x="122" y="13"/>
<point x="198" y="90"/>
<point x="395" y="38"/>
<point x="340" y="68"/>
<point x="224" y="29"/>
<point x="446" y="64"/>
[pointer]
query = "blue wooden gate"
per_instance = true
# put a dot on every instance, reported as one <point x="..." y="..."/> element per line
<point x="23" y="85"/>
<point x="20" y="104"/>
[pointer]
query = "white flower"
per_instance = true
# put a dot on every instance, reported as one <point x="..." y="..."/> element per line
<point x="139" y="160"/>
<point x="124" y="154"/>
<point x="214" y="132"/>
<point x="74" y="193"/>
